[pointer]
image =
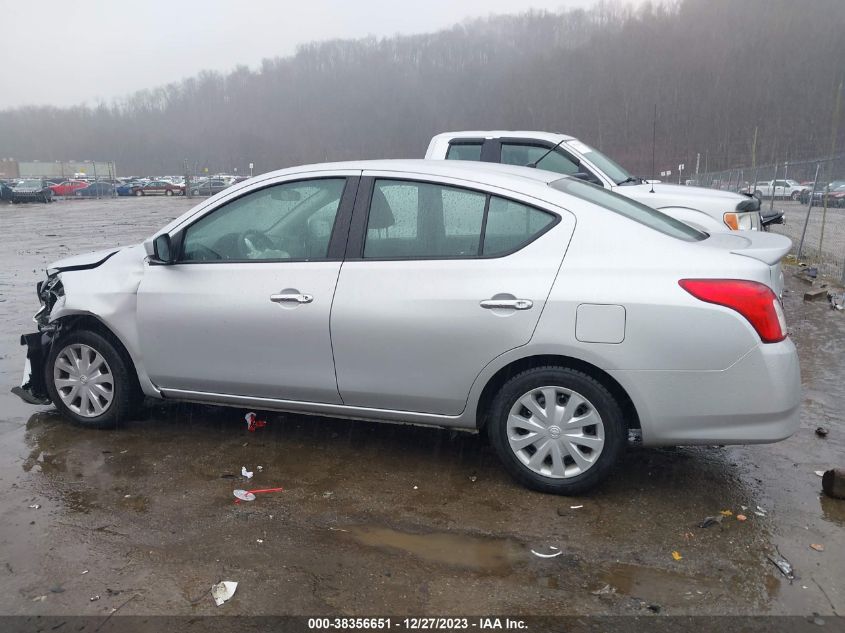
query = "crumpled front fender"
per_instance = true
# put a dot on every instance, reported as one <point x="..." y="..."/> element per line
<point x="108" y="292"/>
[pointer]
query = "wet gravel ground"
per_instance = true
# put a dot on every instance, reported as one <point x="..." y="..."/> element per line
<point x="385" y="519"/>
<point x="830" y="259"/>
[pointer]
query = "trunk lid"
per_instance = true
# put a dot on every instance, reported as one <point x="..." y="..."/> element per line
<point x="769" y="248"/>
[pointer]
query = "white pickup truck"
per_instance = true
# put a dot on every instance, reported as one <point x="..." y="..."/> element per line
<point x="791" y="189"/>
<point x="710" y="210"/>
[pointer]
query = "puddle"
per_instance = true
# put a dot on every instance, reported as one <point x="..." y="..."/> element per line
<point x="479" y="553"/>
<point x="833" y="510"/>
<point x="653" y="584"/>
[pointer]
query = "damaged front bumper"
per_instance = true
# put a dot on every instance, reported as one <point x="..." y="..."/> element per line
<point x="33" y="389"/>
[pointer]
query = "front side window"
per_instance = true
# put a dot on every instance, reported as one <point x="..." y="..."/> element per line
<point x="464" y="151"/>
<point x="628" y="208"/>
<point x="419" y="220"/>
<point x="524" y="155"/>
<point x="290" y="221"/>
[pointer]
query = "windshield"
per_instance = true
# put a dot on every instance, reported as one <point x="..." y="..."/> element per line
<point x="613" y="170"/>
<point x="31" y="183"/>
<point x="631" y="209"/>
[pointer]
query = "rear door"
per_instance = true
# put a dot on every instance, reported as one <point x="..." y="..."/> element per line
<point x="439" y="279"/>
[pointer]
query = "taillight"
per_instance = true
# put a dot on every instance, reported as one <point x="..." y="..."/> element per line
<point x="753" y="300"/>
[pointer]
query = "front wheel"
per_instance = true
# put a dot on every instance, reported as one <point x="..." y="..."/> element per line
<point x="795" y="196"/>
<point x="90" y="381"/>
<point x="139" y="193"/>
<point x="168" y="192"/>
<point x="556" y="430"/>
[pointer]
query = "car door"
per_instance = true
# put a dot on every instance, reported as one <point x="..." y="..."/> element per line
<point x="245" y="310"/>
<point x="439" y="279"/>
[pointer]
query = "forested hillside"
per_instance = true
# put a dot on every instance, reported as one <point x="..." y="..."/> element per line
<point x="715" y="68"/>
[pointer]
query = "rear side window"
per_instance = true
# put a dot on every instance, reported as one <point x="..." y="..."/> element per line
<point x="629" y="208"/>
<point x="417" y="220"/>
<point x="464" y="151"/>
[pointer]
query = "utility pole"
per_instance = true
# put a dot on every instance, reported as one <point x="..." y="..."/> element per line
<point x="187" y="180"/>
<point x="754" y="160"/>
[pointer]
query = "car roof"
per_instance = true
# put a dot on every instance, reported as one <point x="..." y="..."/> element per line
<point x="552" y="137"/>
<point x="488" y="173"/>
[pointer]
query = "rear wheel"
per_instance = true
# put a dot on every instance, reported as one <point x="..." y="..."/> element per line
<point x="556" y="430"/>
<point x="90" y="381"/>
<point x="168" y="192"/>
<point x="138" y="192"/>
<point x="796" y="195"/>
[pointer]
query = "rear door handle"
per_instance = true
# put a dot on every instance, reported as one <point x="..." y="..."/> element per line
<point x="291" y="298"/>
<point x="513" y="304"/>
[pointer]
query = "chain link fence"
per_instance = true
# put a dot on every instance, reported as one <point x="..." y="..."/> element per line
<point x="811" y="194"/>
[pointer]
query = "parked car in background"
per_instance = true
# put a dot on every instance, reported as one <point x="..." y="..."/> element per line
<point x="96" y="190"/>
<point x="32" y="190"/>
<point x="126" y="188"/>
<point x="208" y="187"/>
<point x="835" y="196"/>
<point x="710" y="210"/>
<point x="832" y="190"/>
<point x="158" y="188"/>
<point x="786" y="189"/>
<point x="550" y="313"/>
<point x="67" y="187"/>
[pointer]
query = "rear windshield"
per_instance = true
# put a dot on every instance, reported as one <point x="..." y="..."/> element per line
<point x="629" y="208"/>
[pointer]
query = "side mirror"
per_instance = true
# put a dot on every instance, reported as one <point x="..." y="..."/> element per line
<point x="588" y="177"/>
<point x="163" y="250"/>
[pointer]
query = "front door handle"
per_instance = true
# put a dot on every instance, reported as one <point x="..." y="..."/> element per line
<point x="513" y="304"/>
<point x="291" y="298"/>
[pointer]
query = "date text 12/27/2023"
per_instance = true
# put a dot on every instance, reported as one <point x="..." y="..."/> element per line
<point x="417" y="623"/>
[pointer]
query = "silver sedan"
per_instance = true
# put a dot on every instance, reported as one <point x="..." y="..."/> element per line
<point x="552" y="314"/>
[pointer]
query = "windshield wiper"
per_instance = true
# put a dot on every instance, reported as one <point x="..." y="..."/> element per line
<point x="630" y="179"/>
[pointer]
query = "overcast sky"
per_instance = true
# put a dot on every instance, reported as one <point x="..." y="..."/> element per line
<point x="63" y="53"/>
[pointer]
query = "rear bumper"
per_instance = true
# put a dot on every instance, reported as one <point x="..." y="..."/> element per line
<point x="756" y="400"/>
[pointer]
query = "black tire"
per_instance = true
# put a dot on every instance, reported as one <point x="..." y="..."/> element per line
<point x="795" y="196"/>
<point x="615" y="428"/>
<point x="138" y="192"/>
<point x="168" y="192"/>
<point x="126" y="392"/>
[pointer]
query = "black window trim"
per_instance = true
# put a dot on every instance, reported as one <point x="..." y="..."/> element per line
<point x="337" y="240"/>
<point x="361" y="213"/>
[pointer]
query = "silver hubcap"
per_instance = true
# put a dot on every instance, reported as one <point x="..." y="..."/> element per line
<point x="83" y="380"/>
<point x="555" y="432"/>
